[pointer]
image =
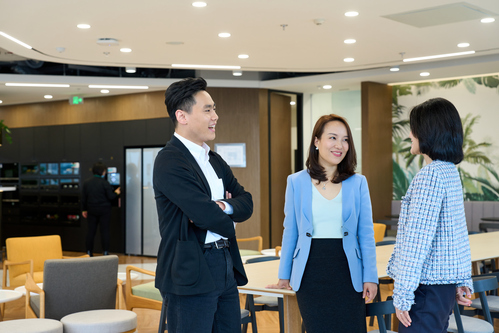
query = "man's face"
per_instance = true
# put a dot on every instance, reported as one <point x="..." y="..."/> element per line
<point x="200" y="122"/>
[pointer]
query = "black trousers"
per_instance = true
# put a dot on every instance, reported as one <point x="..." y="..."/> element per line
<point x="431" y="309"/>
<point x="102" y="216"/>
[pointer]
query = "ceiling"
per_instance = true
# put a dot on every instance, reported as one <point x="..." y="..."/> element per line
<point x="294" y="39"/>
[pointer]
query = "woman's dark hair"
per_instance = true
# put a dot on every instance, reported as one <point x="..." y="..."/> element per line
<point x="99" y="168"/>
<point x="437" y="126"/>
<point x="180" y="96"/>
<point x="347" y="166"/>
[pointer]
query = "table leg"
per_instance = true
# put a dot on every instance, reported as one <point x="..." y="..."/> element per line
<point x="292" y="317"/>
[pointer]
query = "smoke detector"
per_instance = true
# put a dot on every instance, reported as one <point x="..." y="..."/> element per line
<point x="108" y="42"/>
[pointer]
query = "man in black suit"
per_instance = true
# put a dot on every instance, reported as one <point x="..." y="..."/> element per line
<point x="198" y="201"/>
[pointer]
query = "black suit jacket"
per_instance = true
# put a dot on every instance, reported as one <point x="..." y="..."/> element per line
<point x="182" y="193"/>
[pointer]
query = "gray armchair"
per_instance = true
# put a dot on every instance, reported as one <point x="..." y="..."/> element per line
<point x="74" y="285"/>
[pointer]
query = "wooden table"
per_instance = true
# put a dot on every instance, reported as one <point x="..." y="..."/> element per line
<point x="483" y="246"/>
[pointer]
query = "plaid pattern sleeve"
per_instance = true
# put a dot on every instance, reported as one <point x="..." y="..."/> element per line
<point x="432" y="244"/>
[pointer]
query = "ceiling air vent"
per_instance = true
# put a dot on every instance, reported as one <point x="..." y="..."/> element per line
<point x="108" y="42"/>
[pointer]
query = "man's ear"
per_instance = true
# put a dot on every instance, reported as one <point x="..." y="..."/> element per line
<point x="181" y="118"/>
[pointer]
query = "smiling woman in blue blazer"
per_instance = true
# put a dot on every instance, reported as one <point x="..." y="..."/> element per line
<point x="328" y="252"/>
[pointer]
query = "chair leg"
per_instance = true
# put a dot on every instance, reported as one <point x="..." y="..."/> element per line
<point x="163" y="326"/>
<point x="377" y="298"/>
<point x="280" y="307"/>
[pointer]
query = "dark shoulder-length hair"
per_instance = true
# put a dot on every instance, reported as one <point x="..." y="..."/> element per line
<point x="437" y="126"/>
<point x="347" y="166"/>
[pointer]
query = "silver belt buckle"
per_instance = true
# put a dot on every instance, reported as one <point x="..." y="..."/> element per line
<point x="216" y="245"/>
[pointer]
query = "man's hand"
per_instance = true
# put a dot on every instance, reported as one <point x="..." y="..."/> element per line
<point x="220" y="204"/>
<point x="84" y="214"/>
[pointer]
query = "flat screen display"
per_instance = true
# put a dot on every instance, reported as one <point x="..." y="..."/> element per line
<point x="70" y="168"/>
<point x="9" y="170"/>
<point x="113" y="178"/>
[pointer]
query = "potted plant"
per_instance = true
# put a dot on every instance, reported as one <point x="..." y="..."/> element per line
<point x="6" y="129"/>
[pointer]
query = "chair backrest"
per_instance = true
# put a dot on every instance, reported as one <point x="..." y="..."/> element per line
<point x="379" y="231"/>
<point x="387" y="242"/>
<point x="75" y="285"/>
<point x="39" y="249"/>
<point x="380" y="309"/>
<point x="261" y="258"/>
<point x="480" y="286"/>
<point x="258" y="239"/>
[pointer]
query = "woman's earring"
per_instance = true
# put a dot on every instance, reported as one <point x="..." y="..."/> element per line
<point x="316" y="148"/>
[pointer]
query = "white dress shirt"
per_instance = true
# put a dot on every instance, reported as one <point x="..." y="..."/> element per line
<point x="201" y="156"/>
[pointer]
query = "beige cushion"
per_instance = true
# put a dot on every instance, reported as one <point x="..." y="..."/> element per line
<point x="31" y="326"/>
<point x="100" y="321"/>
<point x="147" y="290"/>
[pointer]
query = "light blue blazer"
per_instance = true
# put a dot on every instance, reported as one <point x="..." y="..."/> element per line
<point x="358" y="233"/>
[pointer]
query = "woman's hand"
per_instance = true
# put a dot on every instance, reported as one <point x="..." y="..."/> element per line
<point x="403" y="317"/>
<point x="370" y="291"/>
<point x="460" y="298"/>
<point x="281" y="284"/>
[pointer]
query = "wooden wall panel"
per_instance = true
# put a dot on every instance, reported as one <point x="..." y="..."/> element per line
<point x="264" y="167"/>
<point x="377" y="145"/>
<point x="238" y="111"/>
<point x="280" y="161"/>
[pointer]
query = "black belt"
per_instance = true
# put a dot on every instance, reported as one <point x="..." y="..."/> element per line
<point x="219" y="244"/>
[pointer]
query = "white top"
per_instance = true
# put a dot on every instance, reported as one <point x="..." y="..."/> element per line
<point x="201" y="156"/>
<point x="326" y="215"/>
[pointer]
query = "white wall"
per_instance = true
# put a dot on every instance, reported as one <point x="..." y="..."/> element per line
<point x="343" y="103"/>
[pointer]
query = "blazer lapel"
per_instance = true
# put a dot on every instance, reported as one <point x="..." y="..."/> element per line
<point x="348" y="199"/>
<point x="305" y="191"/>
<point x="178" y="144"/>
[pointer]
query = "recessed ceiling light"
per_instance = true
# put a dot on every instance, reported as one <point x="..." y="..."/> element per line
<point x="205" y="66"/>
<point x="292" y="103"/>
<point x="424" y="74"/>
<point x="243" y="56"/>
<point x="83" y="26"/>
<point x="130" y="70"/>
<point x="463" y="44"/>
<point x="105" y="86"/>
<point x="46" y="85"/>
<point x="487" y="20"/>
<point x="394" y="69"/>
<point x="237" y="73"/>
<point x="439" y="56"/>
<point x="48" y="96"/>
<point x="1" y="101"/>
<point x="351" y="14"/>
<point x="199" y="4"/>
<point x="349" y="41"/>
<point x="104" y="91"/>
<point x="349" y="60"/>
<point x="15" y="40"/>
<point x="224" y="34"/>
<point x="125" y="50"/>
<point x="327" y="86"/>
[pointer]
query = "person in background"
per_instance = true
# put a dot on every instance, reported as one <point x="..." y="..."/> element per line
<point x="431" y="260"/>
<point x="328" y="253"/>
<point x="198" y="200"/>
<point x="96" y="201"/>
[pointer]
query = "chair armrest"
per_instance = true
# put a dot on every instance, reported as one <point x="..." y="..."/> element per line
<point x="128" y="285"/>
<point x="119" y="296"/>
<point x="31" y="286"/>
<point x="8" y="263"/>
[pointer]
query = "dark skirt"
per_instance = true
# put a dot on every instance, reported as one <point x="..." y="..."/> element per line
<point x="326" y="298"/>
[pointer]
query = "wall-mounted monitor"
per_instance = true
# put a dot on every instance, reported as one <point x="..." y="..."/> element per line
<point x="113" y="178"/>
<point x="52" y="168"/>
<point x="9" y="170"/>
<point x="70" y="168"/>
<point x="29" y="169"/>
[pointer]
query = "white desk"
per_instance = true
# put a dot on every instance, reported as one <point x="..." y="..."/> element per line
<point x="22" y="289"/>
